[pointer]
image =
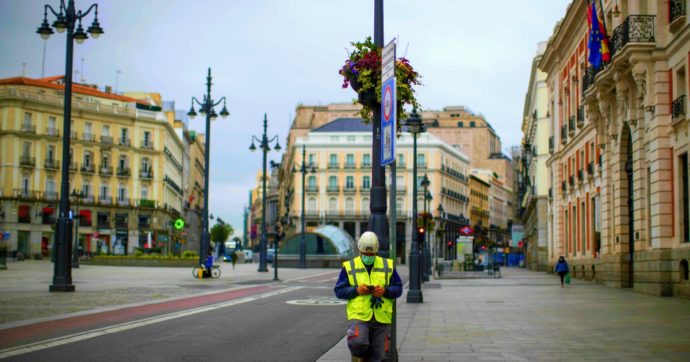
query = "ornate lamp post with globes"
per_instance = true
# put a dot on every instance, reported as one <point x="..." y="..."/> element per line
<point x="264" y="144"/>
<point x="206" y="107"/>
<point x="66" y="19"/>
<point x="304" y="167"/>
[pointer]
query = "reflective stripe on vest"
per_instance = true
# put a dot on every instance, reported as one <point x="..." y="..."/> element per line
<point x="359" y="307"/>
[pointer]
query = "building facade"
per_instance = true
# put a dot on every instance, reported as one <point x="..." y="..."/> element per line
<point x="117" y="163"/>
<point x="619" y="168"/>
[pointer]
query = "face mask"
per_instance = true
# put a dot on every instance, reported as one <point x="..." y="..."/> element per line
<point x="368" y="259"/>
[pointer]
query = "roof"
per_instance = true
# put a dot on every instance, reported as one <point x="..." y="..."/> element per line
<point x="345" y="125"/>
<point x="51" y="82"/>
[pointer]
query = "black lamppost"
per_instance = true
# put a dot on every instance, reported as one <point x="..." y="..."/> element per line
<point x="66" y="19"/>
<point x="75" y="251"/>
<point x="206" y="107"/>
<point x="426" y="252"/>
<point x="304" y="167"/>
<point x="264" y="144"/>
<point x="414" y="295"/>
<point x="378" y="204"/>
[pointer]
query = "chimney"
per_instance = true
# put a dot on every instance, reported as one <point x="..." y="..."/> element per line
<point x="108" y="89"/>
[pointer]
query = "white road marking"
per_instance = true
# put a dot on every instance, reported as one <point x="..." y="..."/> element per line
<point x="55" y="342"/>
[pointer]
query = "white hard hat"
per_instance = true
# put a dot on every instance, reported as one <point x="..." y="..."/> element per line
<point x="368" y="243"/>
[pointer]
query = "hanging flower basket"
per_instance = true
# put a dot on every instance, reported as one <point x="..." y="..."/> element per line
<point x="362" y="71"/>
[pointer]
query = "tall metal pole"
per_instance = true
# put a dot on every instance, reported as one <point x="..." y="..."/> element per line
<point x="205" y="237"/>
<point x="414" y="295"/>
<point x="378" y="221"/>
<point x="425" y="273"/>
<point x="264" y="149"/>
<point x="75" y="250"/>
<point x="62" y="272"/>
<point x="303" y="240"/>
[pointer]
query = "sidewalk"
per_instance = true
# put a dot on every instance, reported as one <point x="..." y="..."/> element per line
<point x="527" y="316"/>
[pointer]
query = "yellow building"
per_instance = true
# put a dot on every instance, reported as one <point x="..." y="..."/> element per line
<point x="479" y="202"/>
<point x="118" y="160"/>
<point x="338" y="193"/>
<point x="619" y="173"/>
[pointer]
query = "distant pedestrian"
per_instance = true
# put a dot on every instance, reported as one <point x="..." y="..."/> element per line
<point x="233" y="258"/>
<point x="370" y="285"/>
<point x="561" y="268"/>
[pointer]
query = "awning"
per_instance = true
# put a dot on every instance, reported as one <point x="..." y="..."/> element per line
<point x="85" y="214"/>
<point x="23" y="211"/>
<point x="48" y="210"/>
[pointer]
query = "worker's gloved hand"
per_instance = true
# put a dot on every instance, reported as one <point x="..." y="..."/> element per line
<point x="363" y="289"/>
<point x="378" y="291"/>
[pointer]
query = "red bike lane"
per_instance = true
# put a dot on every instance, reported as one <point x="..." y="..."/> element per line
<point x="22" y="335"/>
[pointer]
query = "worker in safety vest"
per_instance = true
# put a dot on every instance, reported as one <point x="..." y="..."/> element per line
<point x="370" y="285"/>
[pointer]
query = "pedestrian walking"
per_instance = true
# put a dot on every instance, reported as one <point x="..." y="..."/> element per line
<point x="370" y="284"/>
<point x="561" y="268"/>
<point x="233" y="258"/>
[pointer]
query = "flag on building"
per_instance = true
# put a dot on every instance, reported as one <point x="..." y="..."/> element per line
<point x="598" y="40"/>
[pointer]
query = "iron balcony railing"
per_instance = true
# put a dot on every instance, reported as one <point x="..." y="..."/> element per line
<point x="108" y="140"/>
<point x="349" y="165"/>
<point x="590" y="168"/>
<point x="580" y="116"/>
<point x="28" y="128"/>
<point x="350" y="190"/>
<point x="571" y="125"/>
<point x="105" y="200"/>
<point x="147" y="144"/>
<point x="73" y="167"/>
<point x="124" y="142"/>
<point x="123" y="171"/>
<point x="122" y="202"/>
<point x="678" y="108"/>
<point x="88" y="168"/>
<point x="333" y="188"/>
<point x="51" y="164"/>
<point x="580" y="175"/>
<point x="50" y="195"/>
<point x="571" y="180"/>
<point x="27" y="161"/>
<point x="52" y="132"/>
<point x="678" y="9"/>
<point x="366" y="165"/>
<point x="146" y="175"/>
<point x="333" y="165"/>
<point x="312" y="188"/>
<point x="364" y="188"/>
<point x="421" y="165"/>
<point x="25" y="194"/>
<point x="88" y="137"/>
<point x="105" y="170"/>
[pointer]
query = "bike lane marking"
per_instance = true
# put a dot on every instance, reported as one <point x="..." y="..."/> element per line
<point x="18" y="334"/>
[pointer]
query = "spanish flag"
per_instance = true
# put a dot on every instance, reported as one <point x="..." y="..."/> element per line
<point x="598" y="40"/>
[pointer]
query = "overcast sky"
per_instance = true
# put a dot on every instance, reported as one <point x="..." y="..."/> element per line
<point x="269" y="56"/>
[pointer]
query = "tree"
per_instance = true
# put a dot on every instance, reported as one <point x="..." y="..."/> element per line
<point x="221" y="232"/>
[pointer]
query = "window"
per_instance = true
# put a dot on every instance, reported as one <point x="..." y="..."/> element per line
<point x="144" y="192"/>
<point x="124" y="136"/>
<point x="461" y="124"/>
<point x="27" y="121"/>
<point x="365" y="204"/>
<point x="311" y="182"/>
<point x="366" y="182"/>
<point x="312" y="159"/>
<point x="398" y="206"/>
<point x="332" y="204"/>
<point x="311" y="204"/>
<point x="472" y="124"/>
<point x="87" y="159"/>
<point x="106" y="131"/>
<point x="86" y="190"/>
<point x="350" y="160"/>
<point x="105" y="159"/>
<point x="349" y="204"/>
<point x="87" y="129"/>
<point x="399" y="183"/>
<point x="25" y="185"/>
<point x="351" y="139"/>
<point x="332" y="182"/>
<point x="366" y="160"/>
<point x="147" y="137"/>
<point x="401" y="160"/>
<point x="122" y="163"/>
<point x="121" y="193"/>
<point x="421" y="160"/>
<point x="145" y="165"/>
<point x="50" y="185"/>
<point x="333" y="160"/>
<point x="26" y="149"/>
<point x="350" y="182"/>
<point x="50" y="154"/>
<point x="335" y="138"/>
<point x="51" y="125"/>
<point x="104" y="192"/>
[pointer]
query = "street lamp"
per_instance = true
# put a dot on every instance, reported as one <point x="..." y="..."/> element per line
<point x="66" y="19"/>
<point x="206" y="107"/>
<point x="264" y="144"/>
<point x="75" y="251"/>
<point x="426" y="253"/>
<point x="303" y="241"/>
<point x="414" y="295"/>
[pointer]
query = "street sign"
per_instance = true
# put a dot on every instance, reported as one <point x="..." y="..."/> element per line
<point x="466" y="230"/>
<point x="388" y="104"/>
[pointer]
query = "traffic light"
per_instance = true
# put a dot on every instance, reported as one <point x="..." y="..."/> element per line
<point x="420" y="233"/>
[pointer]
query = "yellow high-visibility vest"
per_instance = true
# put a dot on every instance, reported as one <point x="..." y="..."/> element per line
<point x="359" y="307"/>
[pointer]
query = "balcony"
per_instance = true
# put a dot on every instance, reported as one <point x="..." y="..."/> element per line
<point x="349" y="165"/>
<point x="400" y="164"/>
<point x="421" y="165"/>
<point x="564" y="134"/>
<point x="105" y="170"/>
<point x="146" y="175"/>
<point x="580" y="116"/>
<point x="27" y="161"/>
<point x="25" y="194"/>
<point x="364" y="188"/>
<point x="73" y="135"/>
<point x="678" y="108"/>
<point x="107" y="140"/>
<point x="52" y="132"/>
<point x="563" y="187"/>
<point x="366" y="165"/>
<point x="333" y="213"/>
<point x="124" y="142"/>
<point x="333" y="189"/>
<point x="73" y="167"/>
<point x="580" y="175"/>
<point x="551" y="146"/>
<point x="51" y="195"/>
<point x="590" y="168"/>
<point x="51" y="164"/>
<point x="571" y="181"/>
<point x="88" y="137"/>
<point x="350" y="190"/>
<point x="147" y="145"/>
<point x="634" y="29"/>
<point x="312" y="188"/>
<point x="678" y="11"/>
<point x="571" y="126"/>
<point x="28" y="128"/>
<point x="149" y="204"/>
<point x="88" y="168"/>
<point x="105" y="200"/>
<point x="123" y="172"/>
<point x="123" y="202"/>
<point x="333" y="165"/>
<point x="88" y="199"/>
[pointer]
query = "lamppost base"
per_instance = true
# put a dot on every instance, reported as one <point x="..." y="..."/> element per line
<point x="415" y="296"/>
<point x="61" y="288"/>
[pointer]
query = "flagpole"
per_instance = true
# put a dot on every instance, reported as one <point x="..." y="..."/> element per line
<point x="603" y="17"/>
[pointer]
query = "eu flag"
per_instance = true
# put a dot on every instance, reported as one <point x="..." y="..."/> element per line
<point x="598" y="41"/>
